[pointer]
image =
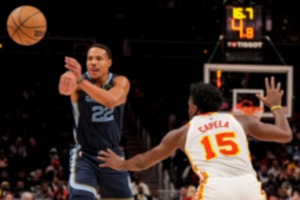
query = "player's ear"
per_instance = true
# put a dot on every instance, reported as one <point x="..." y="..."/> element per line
<point x="196" y="110"/>
<point x="110" y="62"/>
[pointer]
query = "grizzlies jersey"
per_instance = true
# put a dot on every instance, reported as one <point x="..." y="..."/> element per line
<point x="217" y="146"/>
<point x="97" y="127"/>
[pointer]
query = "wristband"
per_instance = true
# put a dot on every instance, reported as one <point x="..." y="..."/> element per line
<point x="81" y="78"/>
<point x="275" y="107"/>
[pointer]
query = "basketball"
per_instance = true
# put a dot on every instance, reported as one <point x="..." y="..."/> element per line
<point x="26" y="25"/>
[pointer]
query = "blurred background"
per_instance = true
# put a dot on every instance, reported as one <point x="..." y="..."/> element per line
<point x="161" y="46"/>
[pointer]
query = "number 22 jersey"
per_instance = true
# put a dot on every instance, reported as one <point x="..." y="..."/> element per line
<point x="97" y="127"/>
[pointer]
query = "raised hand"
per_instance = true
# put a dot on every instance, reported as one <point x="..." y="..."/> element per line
<point x="73" y="65"/>
<point x="273" y="93"/>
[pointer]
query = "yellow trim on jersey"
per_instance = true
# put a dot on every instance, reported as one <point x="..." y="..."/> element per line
<point x="202" y="183"/>
<point x="194" y="167"/>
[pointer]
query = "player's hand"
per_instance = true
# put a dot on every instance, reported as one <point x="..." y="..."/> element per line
<point x="274" y="93"/>
<point x="111" y="159"/>
<point x="67" y="83"/>
<point x="73" y="65"/>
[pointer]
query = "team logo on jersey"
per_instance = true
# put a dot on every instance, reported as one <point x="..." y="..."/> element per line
<point x="89" y="99"/>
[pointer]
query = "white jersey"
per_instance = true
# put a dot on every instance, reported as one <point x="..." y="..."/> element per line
<point x="217" y="146"/>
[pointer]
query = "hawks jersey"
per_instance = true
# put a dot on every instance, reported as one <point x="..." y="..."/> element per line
<point x="97" y="127"/>
<point x="217" y="145"/>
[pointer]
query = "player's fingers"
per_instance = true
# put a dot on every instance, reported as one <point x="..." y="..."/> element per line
<point x="62" y="85"/>
<point x="70" y="87"/>
<point x="102" y="158"/>
<point x="278" y="86"/>
<point x="281" y="93"/>
<point x="272" y="82"/>
<point x="103" y="165"/>
<point x="67" y="87"/>
<point x="72" y="61"/>
<point x="258" y="95"/>
<point x="67" y="82"/>
<point x="60" y="88"/>
<point x="104" y="153"/>
<point x="69" y="59"/>
<point x="267" y="84"/>
<point x="112" y="153"/>
<point x="70" y="67"/>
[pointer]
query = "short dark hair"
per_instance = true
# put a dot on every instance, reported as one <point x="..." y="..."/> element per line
<point x="102" y="46"/>
<point x="207" y="97"/>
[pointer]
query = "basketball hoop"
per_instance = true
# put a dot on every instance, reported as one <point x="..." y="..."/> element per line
<point x="246" y="107"/>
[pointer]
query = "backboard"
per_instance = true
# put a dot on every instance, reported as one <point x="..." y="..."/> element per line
<point x="239" y="82"/>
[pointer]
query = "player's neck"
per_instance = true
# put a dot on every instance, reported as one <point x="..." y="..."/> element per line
<point x="100" y="82"/>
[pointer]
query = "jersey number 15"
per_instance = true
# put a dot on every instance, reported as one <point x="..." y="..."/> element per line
<point x="226" y="145"/>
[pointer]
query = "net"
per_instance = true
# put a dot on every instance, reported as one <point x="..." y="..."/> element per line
<point x="246" y="107"/>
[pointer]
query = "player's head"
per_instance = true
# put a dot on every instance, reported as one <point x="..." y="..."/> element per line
<point x="102" y="46"/>
<point x="204" y="98"/>
<point x="99" y="60"/>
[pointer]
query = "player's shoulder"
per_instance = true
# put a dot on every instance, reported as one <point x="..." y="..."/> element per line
<point x="247" y="121"/>
<point x="243" y="118"/>
<point x="179" y="131"/>
<point x="120" y="78"/>
<point x="178" y="135"/>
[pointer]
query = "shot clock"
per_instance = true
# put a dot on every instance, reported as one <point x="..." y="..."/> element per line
<point x="243" y="23"/>
<point x="243" y="30"/>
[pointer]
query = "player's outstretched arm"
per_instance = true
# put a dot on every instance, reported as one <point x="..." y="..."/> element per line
<point x="281" y="131"/>
<point x="170" y="143"/>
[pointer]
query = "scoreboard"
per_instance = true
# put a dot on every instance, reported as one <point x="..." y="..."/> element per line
<point x="244" y="23"/>
<point x="243" y="27"/>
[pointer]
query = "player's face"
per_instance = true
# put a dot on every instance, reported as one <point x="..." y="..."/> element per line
<point x="98" y="62"/>
<point x="192" y="108"/>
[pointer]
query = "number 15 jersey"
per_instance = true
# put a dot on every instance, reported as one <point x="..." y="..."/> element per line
<point x="217" y="146"/>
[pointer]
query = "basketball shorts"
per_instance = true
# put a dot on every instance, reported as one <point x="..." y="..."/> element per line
<point x="87" y="179"/>
<point x="245" y="187"/>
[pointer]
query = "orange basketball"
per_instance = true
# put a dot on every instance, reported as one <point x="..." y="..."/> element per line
<point x="26" y="25"/>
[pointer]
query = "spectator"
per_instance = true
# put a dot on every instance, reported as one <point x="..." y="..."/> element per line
<point x="27" y="196"/>
<point x="3" y="160"/>
<point x="141" y="195"/>
<point x="44" y="192"/>
<point x="136" y="182"/>
<point x="191" y="192"/>
<point x="295" y="194"/>
<point x="9" y="196"/>
<point x="4" y="189"/>
<point x="20" y="188"/>
<point x="182" y="193"/>
<point x="274" y="169"/>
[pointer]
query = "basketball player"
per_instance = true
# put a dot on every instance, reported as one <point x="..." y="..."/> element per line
<point x="216" y="144"/>
<point x="98" y="97"/>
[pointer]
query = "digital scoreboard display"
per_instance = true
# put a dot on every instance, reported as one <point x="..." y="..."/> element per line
<point x="244" y="26"/>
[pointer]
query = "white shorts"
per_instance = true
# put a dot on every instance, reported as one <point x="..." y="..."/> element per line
<point x="245" y="187"/>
